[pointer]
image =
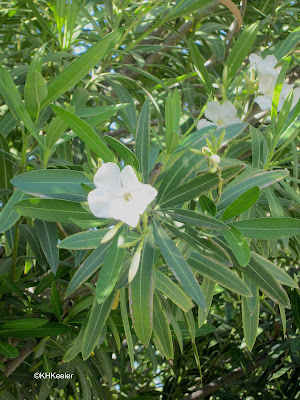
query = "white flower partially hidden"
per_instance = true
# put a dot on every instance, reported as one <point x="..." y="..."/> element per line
<point x="265" y="66"/>
<point x="267" y="78"/>
<point x="219" y="114"/>
<point x="265" y="102"/>
<point x="119" y="194"/>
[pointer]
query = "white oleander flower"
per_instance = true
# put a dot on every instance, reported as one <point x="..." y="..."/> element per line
<point x="119" y="194"/>
<point x="265" y="102"/>
<point x="265" y="66"/>
<point x="219" y="114"/>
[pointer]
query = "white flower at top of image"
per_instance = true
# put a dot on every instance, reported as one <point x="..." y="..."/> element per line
<point x="265" y="66"/>
<point x="119" y="194"/>
<point x="219" y="114"/>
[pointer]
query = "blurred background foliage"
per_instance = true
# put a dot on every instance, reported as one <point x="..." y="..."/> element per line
<point x="150" y="58"/>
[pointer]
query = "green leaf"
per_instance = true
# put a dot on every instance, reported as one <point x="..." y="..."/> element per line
<point x="79" y="68"/>
<point x="184" y="7"/>
<point x="268" y="228"/>
<point x="96" y="115"/>
<point x="161" y="329"/>
<point x="85" y="132"/>
<point x="178" y="265"/>
<point x="31" y="236"/>
<point x="208" y="205"/>
<point x="6" y="171"/>
<point x="172" y="117"/>
<point x="15" y="103"/>
<point x="127" y="155"/>
<point x="241" y="49"/>
<point x="172" y="291"/>
<point x="195" y="218"/>
<point x="284" y="47"/>
<point x="126" y="325"/>
<point x="142" y="147"/>
<point x="238" y="245"/>
<point x="250" y="322"/>
<point x="8" y="350"/>
<point x="242" y="203"/>
<point x="197" y="186"/>
<point x="199" y="66"/>
<point x="47" y="233"/>
<point x="88" y="267"/>
<point x="278" y="273"/>
<point x="208" y="287"/>
<point x="32" y="328"/>
<point x="96" y="322"/>
<point x="52" y="210"/>
<point x="141" y="293"/>
<point x="55" y="301"/>
<point x="105" y="365"/>
<point x="83" y="240"/>
<point x="259" y="275"/>
<point x="239" y="185"/>
<point x="209" y="249"/>
<point x="9" y="216"/>
<point x="53" y="183"/>
<point x="110" y="271"/>
<point x="34" y="93"/>
<point x="76" y="345"/>
<point x="217" y="273"/>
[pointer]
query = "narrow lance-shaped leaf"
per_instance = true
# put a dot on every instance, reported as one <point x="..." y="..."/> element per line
<point x="197" y="186"/>
<point x="53" y="210"/>
<point x="196" y="219"/>
<point x="161" y="328"/>
<point x="8" y="216"/>
<point x="242" y="203"/>
<point x="241" y="49"/>
<point x="96" y="322"/>
<point x="126" y="325"/>
<point x="250" y="322"/>
<point x="88" y="267"/>
<point x="199" y="66"/>
<point x="268" y="228"/>
<point x="85" y="132"/>
<point x="218" y="273"/>
<point x="47" y="232"/>
<point x="55" y="301"/>
<point x="53" y="183"/>
<point x="15" y="102"/>
<point x="6" y="171"/>
<point x="178" y="265"/>
<point x="172" y="291"/>
<point x="143" y="140"/>
<point x="123" y="151"/>
<point x="208" y="287"/>
<point x="110" y="270"/>
<point x="141" y="293"/>
<point x="238" y="245"/>
<point x="266" y="282"/>
<point x="79" y="68"/>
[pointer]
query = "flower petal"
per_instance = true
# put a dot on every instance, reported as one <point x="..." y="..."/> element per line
<point x="108" y="178"/>
<point x="255" y="59"/>
<point x="142" y="196"/>
<point x="104" y="204"/>
<point x="227" y="110"/>
<point x="270" y="61"/>
<point x="264" y="102"/>
<point x="128" y="178"/>
<point x="267" y="85"/>
<point x="203" y="123"/>
<point x="212" y="110"/>
<point x="130" y="216"/>
<point x="231" y="121"/>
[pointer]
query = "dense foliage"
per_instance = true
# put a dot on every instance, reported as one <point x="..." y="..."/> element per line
<point x="149" y="188"/>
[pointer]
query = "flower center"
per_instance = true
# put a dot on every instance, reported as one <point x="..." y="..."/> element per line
<point x="127" y="196"/>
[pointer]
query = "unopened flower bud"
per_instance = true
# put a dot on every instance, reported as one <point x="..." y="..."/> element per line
<point x="206" y="151"/>
<point x="215" y="159"/>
